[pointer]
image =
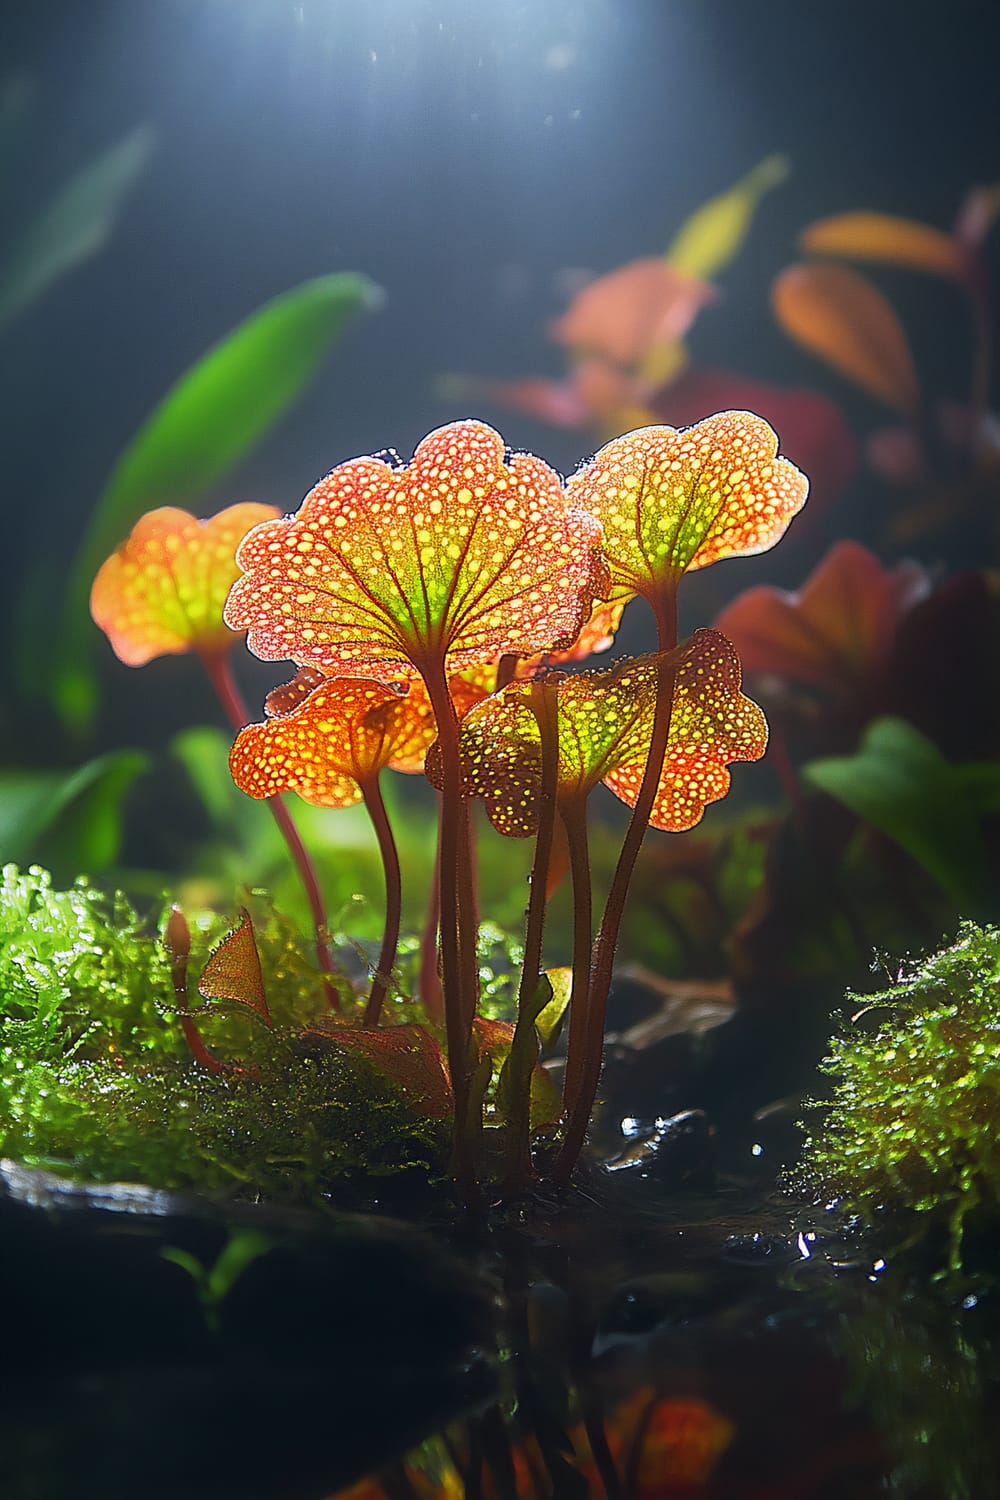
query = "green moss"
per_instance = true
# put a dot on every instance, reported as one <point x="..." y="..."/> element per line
<point x="910" y="1132"/>
<point x="95" y="1076"/>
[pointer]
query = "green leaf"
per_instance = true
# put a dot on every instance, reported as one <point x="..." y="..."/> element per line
<point x="68" y="821"/>
<point x="73" y="226"/>
<point x="714" y="234"/>
<point x="514" y="1082"/>
<point x="205" y="424"/>
<point x="548" y="1021"/>
<point x="901" y="783"/>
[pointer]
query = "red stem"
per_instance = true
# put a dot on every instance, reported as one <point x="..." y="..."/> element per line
<point x="574" y="816"/>
<point x="459" y="977"/>
<point x="544" y="705"/>
<point x="372" y="794"/>
<point x="177" y="942"/>
<point x="216" y="664"/>
<point x="665" y="612"/>
<point x="430" y="979"/>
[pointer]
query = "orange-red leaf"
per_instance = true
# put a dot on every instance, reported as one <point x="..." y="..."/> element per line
<point x="671" y="500"/>
<point x="163" y="591"/>
<point x="233" y="971"/>
<point x="630" y="311"/>
<point x="460" y="552"/>
<point x="839" y="315"/>
<point x="837" y="631"/>
<point x="605" y="723"/>
<point x="409" y="1056"/>
<point x="891" y="240"/>
<point x="329" y="745"/>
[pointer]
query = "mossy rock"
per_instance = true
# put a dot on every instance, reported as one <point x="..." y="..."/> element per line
<point x="909" y="1135"/>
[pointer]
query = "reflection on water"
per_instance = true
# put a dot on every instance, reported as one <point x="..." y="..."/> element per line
<point x="744" y="1362"/>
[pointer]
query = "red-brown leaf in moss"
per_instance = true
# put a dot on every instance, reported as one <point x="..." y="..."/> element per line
<point x="163" y="591"/>
<point x="605" y="723"/>
<point x="837" y="631"/>
<point x="409" y="1056"/>
<point x="671" y="500"/>
<point x="463" y="553"/>
<point x="334" y="741"/>
<point x="233" y="971"/>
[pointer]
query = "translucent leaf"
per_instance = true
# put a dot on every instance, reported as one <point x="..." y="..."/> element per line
<point x="384" y="568"/>
<point x="329" y="745"/>
<point x="837" y="631"/>
<point x="597" y="635"/>
<point x="815" y="435"/>
<point x="233" y="970"/>
<point x="839" y="315"/>
<point x="890" y="240"/>
<point x="409" y="1056"/>
<point x="163" y="591"/>
<point x="901" y="783"/>
<point x="714" y="234"/>
<point x="549" y="1019"/>
<point x="632" y="310"/>
<point x="670" y="500"/>
<point x="205" y="424"/>
<point x="74" y="225"/>
<point x="605" y="723"/>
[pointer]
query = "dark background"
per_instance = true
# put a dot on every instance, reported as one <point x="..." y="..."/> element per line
<point x="465" y="155"/>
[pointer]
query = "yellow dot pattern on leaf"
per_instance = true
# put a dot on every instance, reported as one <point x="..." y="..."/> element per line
<point x="462" y="551"/>
<point x="605" y="722"/>
<point x="330" y="743"/>
<point x="163" y="591"/>
<point x="671" y="500"/>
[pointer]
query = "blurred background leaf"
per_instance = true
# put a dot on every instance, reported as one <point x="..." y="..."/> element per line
<point x="901" y="783"/>
<point x="714" y="234"/>
<point x="890" y="240"/>
<point x="205" y="424"/>
<point x="68" y="822"/>
<point x="74" y="225"/>
<point x="839" y="315"/>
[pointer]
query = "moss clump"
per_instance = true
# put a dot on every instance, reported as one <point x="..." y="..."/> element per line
<point x="910" y="1132"/>
<point x="96" y="1078"/>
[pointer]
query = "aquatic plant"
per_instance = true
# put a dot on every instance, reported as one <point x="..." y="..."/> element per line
<point x="908" y="1138"/>
<point x="161" y="593"/>
<point x="423" y="604"/>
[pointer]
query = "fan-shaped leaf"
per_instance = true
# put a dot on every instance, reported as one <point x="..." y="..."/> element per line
<point x="334" y="742"/>
<point x="605" y="724"/>
<point x="386" y="569"/>
<point x="163" y="591"/>
<point x="671" y="500"/>
<point x="839" y="315"/>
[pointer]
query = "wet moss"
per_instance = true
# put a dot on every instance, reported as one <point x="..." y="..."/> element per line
<point x="96" y="1079"/>
<point x="909" y="1134"/>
